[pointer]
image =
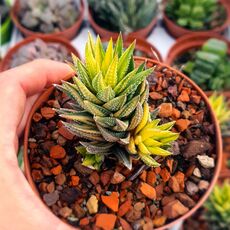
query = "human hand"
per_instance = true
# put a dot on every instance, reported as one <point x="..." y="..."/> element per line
<point x="20" y="208"/>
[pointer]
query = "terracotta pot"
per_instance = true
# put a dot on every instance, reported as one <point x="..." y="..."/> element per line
<point x="141" y="45"/>
<point x="68" y="33"/>
<point x="178" y="31"/>
<point x="149" y="62"/>
<point x="5" y="64"/>
<point x="142" y="33"/>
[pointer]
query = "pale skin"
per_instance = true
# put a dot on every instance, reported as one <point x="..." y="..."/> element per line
<point x="20" y="208"/>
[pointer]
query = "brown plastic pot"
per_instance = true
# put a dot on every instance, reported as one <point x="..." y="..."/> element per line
<point x="68" y="33"/>
<point x="178" y="31"/>
<point x="5" y="64"/>
<point x="142" y="33"/>
<point x="141" y="45"/>
<point x="44" y="97"/>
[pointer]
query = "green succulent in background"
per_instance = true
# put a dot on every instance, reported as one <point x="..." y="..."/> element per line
<point x="196" y="14"/>
<point x="218" y="208"/>
<point x="222" y="111"/>
<point x="109" y="94"/>
<point x="150" y="138"/>
<point x="123" y="15"/>
<point x="210" y="68"/>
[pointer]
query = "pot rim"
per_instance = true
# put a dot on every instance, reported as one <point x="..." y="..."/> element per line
<point x="142" y="32"/>
<point x="28" y="32"/>
<point x="4" y="65"/>
<point x="218" y="140"/>
<point x="183" y="30"/>
<point x="141" y="44"/>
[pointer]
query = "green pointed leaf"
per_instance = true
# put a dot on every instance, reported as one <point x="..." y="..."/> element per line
<point x="166" y="126"/>
<point x="137" y="117"/>
<point x="106" y="94"/>
<point x="119" y="46"/>
<point x="145" y="95"/>
<point x="108" y="57"/>
<point x="124" y="61"/>
<point x="98" y="82"/>
<point x="123" y="156"/>
<point x="91" y="43"/>
<point x="125" y="140"/>
<point x="87" y="95"/>
<point x="107" y="122"/>
<point x="128" y="108"/>
<point x="111" y="75"/>
<point x="131" y="65"/>
<point x="116" y="103"/>
<point x="121" y="125"/>
<point x="159" y="151"/>
<point x="148" y="160"/>
<point x="99" y="51"/>
<point x="91" y="64"/>
<point x="97" y="147"/>
<point x="96" y="109"/>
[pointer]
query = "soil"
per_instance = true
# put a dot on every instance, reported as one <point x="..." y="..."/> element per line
<point x="143" y="198"/>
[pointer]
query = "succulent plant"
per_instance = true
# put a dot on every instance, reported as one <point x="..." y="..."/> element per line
<point x="110" y="98"/>
<point x="196" y="14"/>
<point x="210" y="68"/>
<point x="222" y="111"/>
<point x="150" y="138"/>
<point x="124" y="15"/>
<point x="39" y="49"/>
<point x="218" y="207"/>
<point x="49" y="16"/>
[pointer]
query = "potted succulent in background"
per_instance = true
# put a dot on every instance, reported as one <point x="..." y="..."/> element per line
<point x="216" y="211"/>
<point x="35" y="47"/>
<point x="103" y="152"/>
<point x="221" y="107"/>
<point x="183" y="17"/>
<point x="5" y="22"/>
<point x="59" y="18"/>
<point x="133" y="17"/>
<point x="205" y="59"/>
<point x="142" y="49"/>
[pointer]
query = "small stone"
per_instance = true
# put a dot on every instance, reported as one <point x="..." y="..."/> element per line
<point x="106" y="221"/>
<point x="94" y="178"/>
<point x="182" y="124"/>
<point x="184" y="97"/>
<point x="92" y="204"/>
<point x="61" y="140"/>
<point x="169" y="164"/>
<point x="165" y="175"/>
<point x="126" y="184"/>
<point x="197" y="172"/>
<point x="65" y="133"/>
<point x="159" y="221"/>
<point x="57" y="152"/>
<point x="111" y="201"/>
<point x="165" y="110"/>
<point x="50" y="187"/>
<point x="143" y="176"/>
<point x="60" y="179"/>
<point x="78" y="210"/>
<point x="155" y="95"/>
<point x="82" y="169"/>
<point x="176" y="182"/>
<point x="148" y="191"/>
<point x="37" y="117"/>
<point x="185" y="200"/>
<point x="206" y="161"/>
<point x="75" y="180"/>
<point x="124" y="208"/>
<point x="191" y="188"/>
<point x="174" y="209"/>
<point x="151" y="178"/>
<point x="196" y="99"/>
<point x="65" y="212"/>
<point x="84" y="221"/>
<point x="70" y="195"/>
<point x="196" y="147"/>
<point x="37" y="175"/>
<point x="133" y="215"/>
<point x="51" y="198"/>
<point x="106" y="177"/>
<point x="117" y="178"/>
<point x="176" y="113"/>
<point x="47" y="112"/>
<point x="124" y="224"/>
<point x="56" y="170"/>
<point x="203" y="185"/>
<point x="139" y="206"/>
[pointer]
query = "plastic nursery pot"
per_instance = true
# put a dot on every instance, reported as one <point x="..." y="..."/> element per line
<point x="5" y="29"/>
<point x="5" y="64"/>
<point x="44" y="97"/>
<point x="142" y="45"/>
<point x="142" y="33"/>
<point x="178" y="31"/>
<point x="68" y="33"/>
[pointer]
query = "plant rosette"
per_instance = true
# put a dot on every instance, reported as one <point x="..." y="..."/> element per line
<point x="142" y="49"/>
<point x="103" y="32"/>
<point x="131" y="188"/>
<point x="68" y="33"/>
<point x="48" y="39"/>
<point x="177" y="31"/>
<point x="186" y="47"/>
